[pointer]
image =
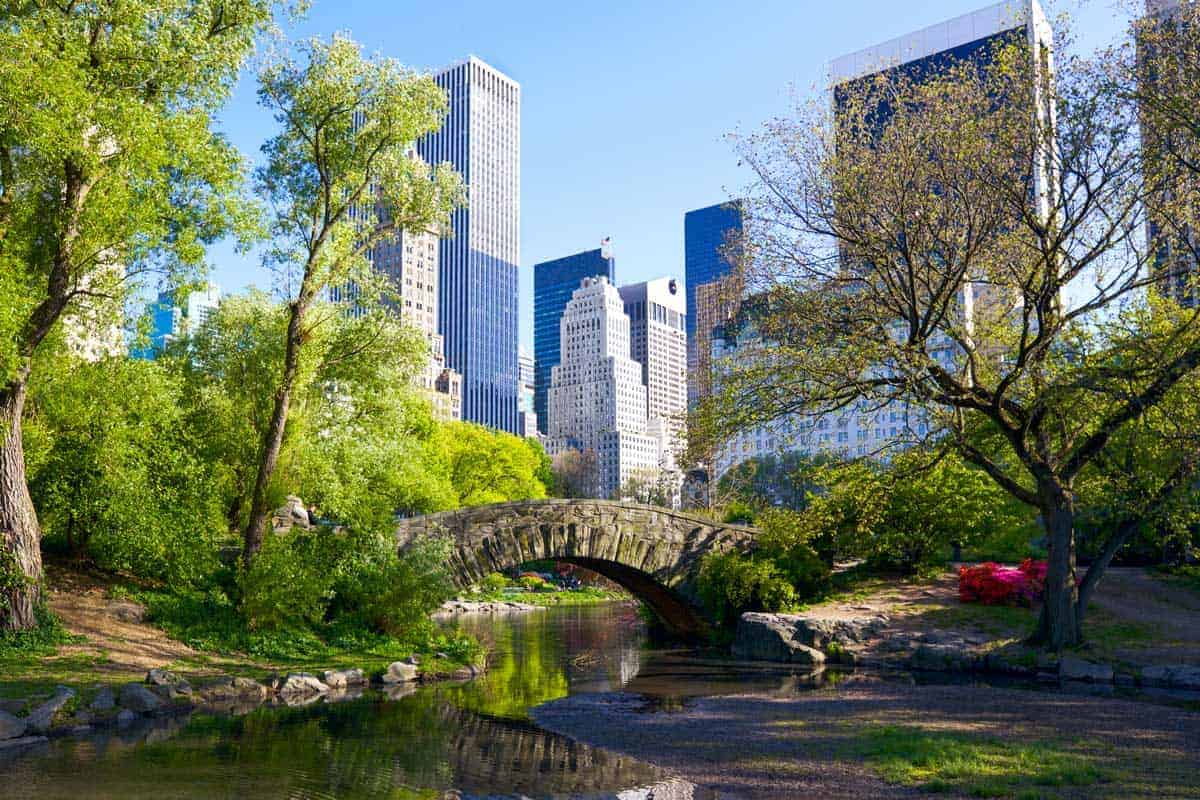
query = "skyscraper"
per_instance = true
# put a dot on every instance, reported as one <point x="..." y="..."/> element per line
<point x="1163" y="49"/>
<point x="658" y="341"/>
<point x="168" y="321"/>
<point x="706" y="231"/>
<point x="597" y="401"/>
<point x="553" y="283"/>
<point x="529" y="426"/>
<point x="477" y="314"/>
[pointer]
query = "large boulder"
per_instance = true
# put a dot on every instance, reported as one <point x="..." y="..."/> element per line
<point x="42" y="717"/>
<point x="773" y="637"/>
<point x="138" y="698"/>
<point x="11" y="727"/>
<point x="1071" y="668"/>
<point x="949" y="657"/>
<point x="301" y="683"/>
<point x="341" y="678"/>
<point x="399" y="672"/>
<point x="104" y="701"/>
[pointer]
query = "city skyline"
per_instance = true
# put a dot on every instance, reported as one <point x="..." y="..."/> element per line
<point x="575" y="86"/>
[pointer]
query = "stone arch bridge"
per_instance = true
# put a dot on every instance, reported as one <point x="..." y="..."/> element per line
<point x="653" y="552"/>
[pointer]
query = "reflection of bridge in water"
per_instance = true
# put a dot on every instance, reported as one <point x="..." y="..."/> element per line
<point x="653" y="552"/>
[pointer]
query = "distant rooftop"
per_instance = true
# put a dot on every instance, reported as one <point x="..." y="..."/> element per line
<point x="998" y="18"/>
<point x="480" y="62"/>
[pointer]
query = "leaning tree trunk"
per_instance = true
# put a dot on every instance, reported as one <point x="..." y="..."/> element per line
<point x="1059" y="625"/>
<point x="273" y="440"/>
<point x="20" y="536"/>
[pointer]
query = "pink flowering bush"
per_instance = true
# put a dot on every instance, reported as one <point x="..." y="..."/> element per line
<point x="996" y="584"/>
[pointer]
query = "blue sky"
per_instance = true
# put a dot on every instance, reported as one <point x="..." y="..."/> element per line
<point x="625" y="105"/>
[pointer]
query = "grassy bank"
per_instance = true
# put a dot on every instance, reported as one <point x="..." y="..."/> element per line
<point x="100" y="630"/>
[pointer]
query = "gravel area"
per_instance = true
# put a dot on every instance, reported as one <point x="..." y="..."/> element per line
<point x="762" y="746"/>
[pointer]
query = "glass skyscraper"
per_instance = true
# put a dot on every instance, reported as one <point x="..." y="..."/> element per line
<point x="477" y="309"/>
<point x="553" y="283"/>
<point x="705" y="233"/>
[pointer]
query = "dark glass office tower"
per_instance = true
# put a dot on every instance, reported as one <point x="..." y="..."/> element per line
<point x="553" y="283"/>
<point x="477" y="309"/>
<point x="705" y="233"/>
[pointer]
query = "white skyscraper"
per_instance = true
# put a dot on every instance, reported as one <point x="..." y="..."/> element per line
<point x="477" y="314"/>
<point x="597" y="400"/>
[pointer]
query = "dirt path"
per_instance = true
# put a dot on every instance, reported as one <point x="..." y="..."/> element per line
<point x="119" y="643"/>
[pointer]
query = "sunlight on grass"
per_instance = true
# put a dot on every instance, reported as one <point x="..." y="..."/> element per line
<point x="978" y="766"/>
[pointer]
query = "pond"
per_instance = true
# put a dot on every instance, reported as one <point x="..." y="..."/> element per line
<point x="471" y="740"/>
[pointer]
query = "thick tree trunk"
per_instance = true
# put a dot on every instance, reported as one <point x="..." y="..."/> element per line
<point x="20" y="536"/>
<point x="273" y="440"/>
<point x="1059" y="623"/>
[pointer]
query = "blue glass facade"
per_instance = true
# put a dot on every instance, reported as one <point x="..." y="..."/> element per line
<point x="477" y="266"/>
<point x="164" y="318"/>
<point x="553" y="283"/>
<point x="705" y="232"/>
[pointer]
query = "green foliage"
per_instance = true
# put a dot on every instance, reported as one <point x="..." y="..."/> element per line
<point x="116" y="474"/>
<point x="731" y="583"/>
<point x="44" y="639"/>
<point x="975" y="765"/>
<point x="290" y="584"/>
<point x="779" y="481"/>
<point x="786" y="540"/>
<point x="907" y="514"/>
<point x="392" y="594"/>
<point x="738" y="512"/>
<point x="487" y="466"/>
<point x="494" y="583"/>
<point x="531" y="583"/>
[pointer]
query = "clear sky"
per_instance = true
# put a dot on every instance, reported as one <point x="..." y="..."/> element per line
<point x="625" y="105"/>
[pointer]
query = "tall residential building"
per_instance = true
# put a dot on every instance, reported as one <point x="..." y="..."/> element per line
<point x="597" y="401"/>
<point x="169" y="321"/>
<point x="409" y="261"/>
<point x="553" y="284"/>
<point x="1162" y="53"/>
<point x="658" y="341"/>
<point x="706" y="232"/>
<point x="477" y="314"/>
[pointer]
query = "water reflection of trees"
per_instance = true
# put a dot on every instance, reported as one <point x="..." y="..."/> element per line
<point x="417" y="747"/>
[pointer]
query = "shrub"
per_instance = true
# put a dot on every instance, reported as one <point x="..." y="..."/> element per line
<point x="392" y="593"/>
<point x="739" y="513"/>
<point x="494" y="583"/>
<point x="290" y="582"/>
<point x="786" y="539"/>
<point x="995" y="584"/>
<point x="532" y="583"/>
<point x="731" y="583"/>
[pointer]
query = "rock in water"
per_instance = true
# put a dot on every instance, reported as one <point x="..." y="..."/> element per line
<point x="11" y="727"/>
<point x="773" y="637"/>
<point x="42" y="717"/>
<point x="1076" y="669"/>
<point x="297" y="683"/>
<point x="341" y="678"/>
<point x="399" y="672"/>
<point x="104" y="700"/>
<point x="139" y="699"/>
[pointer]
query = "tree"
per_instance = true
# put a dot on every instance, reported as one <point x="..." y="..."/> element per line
<point x="647" y="486"/>
<point x="488" y="466"/>
<point x="935" y="246"/>
<point x="340" y="180"/>
<point x="910" y="511"/>
<point x="109" y="169"/>
<point x="575" y="473"/>
<point x="116" y="474"/>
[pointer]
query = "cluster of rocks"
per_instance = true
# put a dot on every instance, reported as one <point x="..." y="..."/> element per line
<point x="814" y="641"/>
<point x="452" y="608"/>
<point x="805" y="640"/>
<point x="162" y="694"/>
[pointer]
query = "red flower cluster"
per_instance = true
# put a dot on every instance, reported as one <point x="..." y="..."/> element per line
<point x="995" y="584"/>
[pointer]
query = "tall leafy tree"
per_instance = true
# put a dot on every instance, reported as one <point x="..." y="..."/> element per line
<point x="109" y="168"/>
<point x="938" y="246"/>
<point x="340" y="179"/>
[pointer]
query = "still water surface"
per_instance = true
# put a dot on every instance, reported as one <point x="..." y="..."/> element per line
<point x="470" y="740"/>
